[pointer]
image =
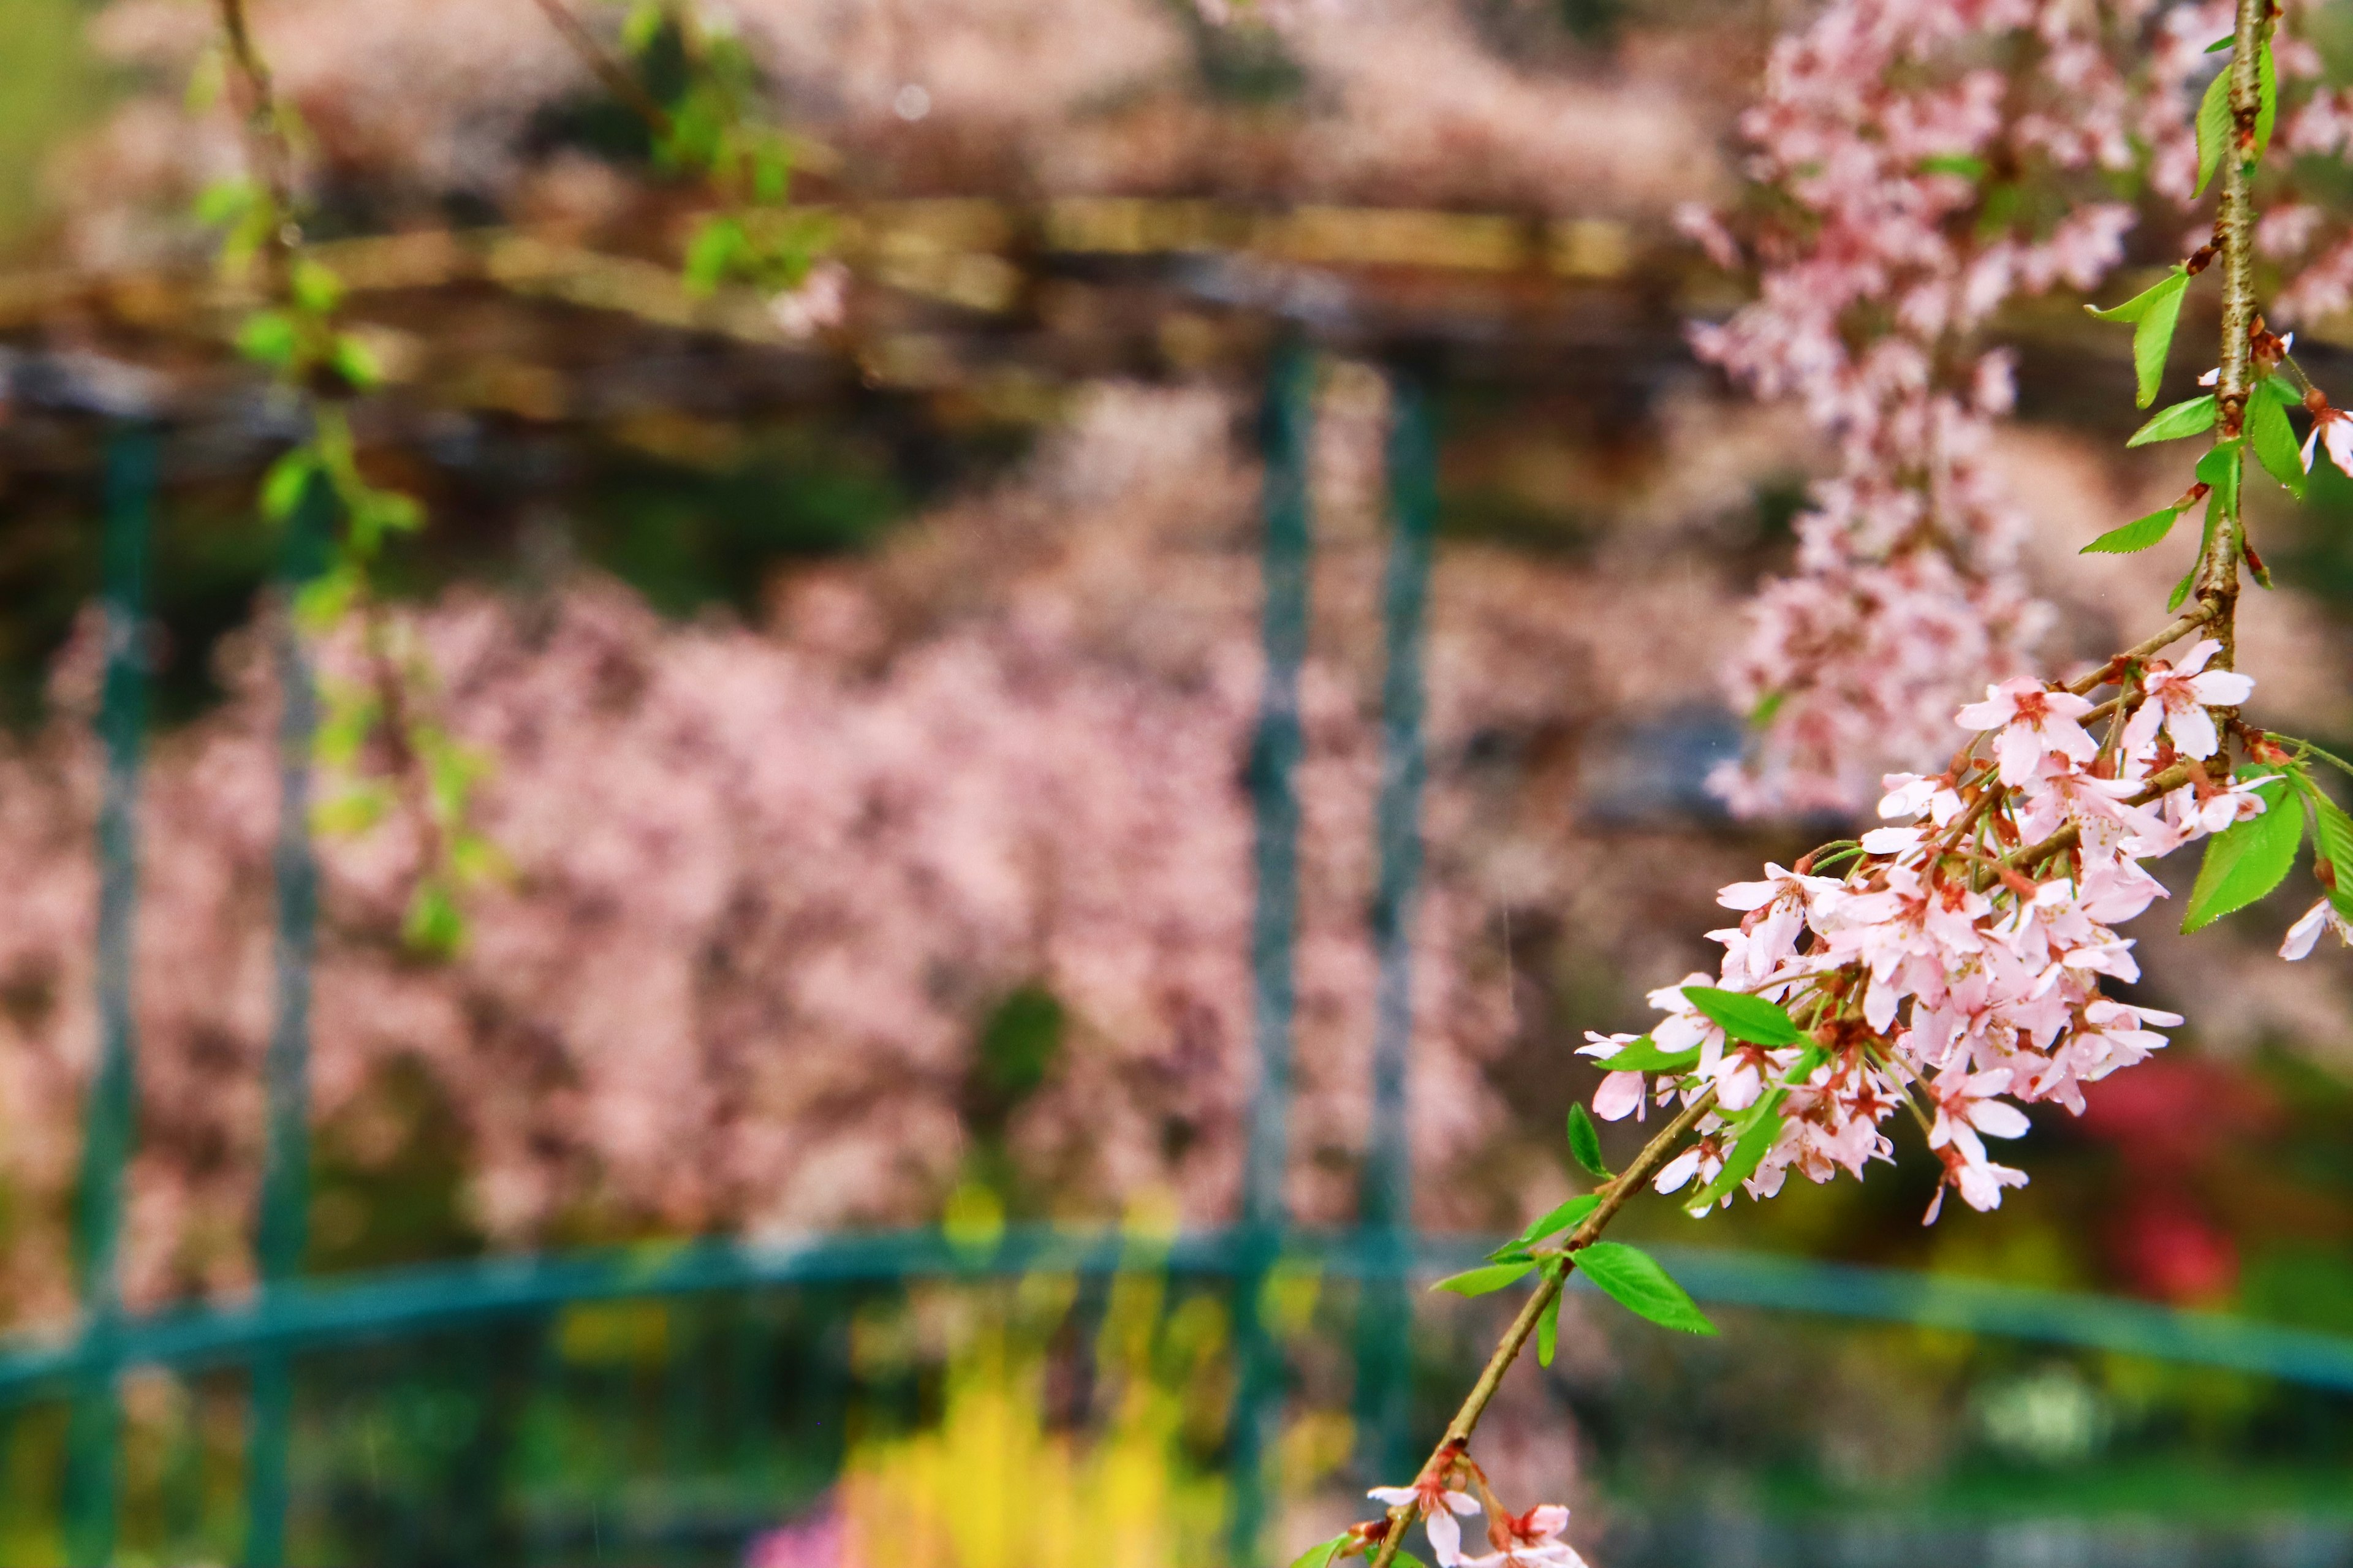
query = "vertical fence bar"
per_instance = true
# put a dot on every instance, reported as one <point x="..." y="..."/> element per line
<point x="1274" y="794"/>
<point x="110" y="1117"/>
<point x="1384" y="1343"/>
<point x="282" y="1228"/>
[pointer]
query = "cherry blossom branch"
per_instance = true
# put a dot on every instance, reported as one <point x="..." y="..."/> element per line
<point x="1614" y="1196"/>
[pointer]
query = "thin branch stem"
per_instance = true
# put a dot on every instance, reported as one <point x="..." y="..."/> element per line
<point x="605" y="66"/>
<point x="1622" y="1187"/>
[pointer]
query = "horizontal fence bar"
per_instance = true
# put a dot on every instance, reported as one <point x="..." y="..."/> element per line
<point x="319" y="1313"/>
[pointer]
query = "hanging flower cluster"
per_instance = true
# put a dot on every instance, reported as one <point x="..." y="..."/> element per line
<point x="1908" y="190"/>
<point x="1950" y="964"/>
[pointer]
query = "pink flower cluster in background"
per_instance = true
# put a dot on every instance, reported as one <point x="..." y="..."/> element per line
<point x="1910" y="190"/>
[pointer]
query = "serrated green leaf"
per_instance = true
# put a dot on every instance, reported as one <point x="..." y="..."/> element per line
<point x="1644" y="1056"/>
<point x="1632" y="1279"/>
<point x="283" y="484"/>
<point x="1556" y="1219"/>
<point x="1585" y="1141"/>
<point x="2138" y="306"/>
<point x="1484" y="1280"/>
<point x="2153" y="338"/>
<point x="2246" y="859"/>
<point x="1320" y="1554"/>
<point x="2137" y="534"/>
<point x="1548" y="1325"/>
<point x="1746" y="1018"/>
<point x="2332" y="841"/>
<point x="2273" y="440"/>
<point x="2215" y="129"/>
<point x="2220" y="469"/>
<point x="2266" y="100"/>
<point x="2190" y="418"/>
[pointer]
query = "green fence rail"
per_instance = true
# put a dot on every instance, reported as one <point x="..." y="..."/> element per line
<point x="314" y="1313"/>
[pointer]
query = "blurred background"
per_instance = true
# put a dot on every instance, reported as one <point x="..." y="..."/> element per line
<point x="951" y="1068"/>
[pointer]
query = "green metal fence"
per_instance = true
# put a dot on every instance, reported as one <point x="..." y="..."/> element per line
<point x="258" y="1343"/>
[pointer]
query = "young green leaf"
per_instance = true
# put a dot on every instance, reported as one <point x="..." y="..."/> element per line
<point x="2137" y="534"/>
<point x="1320" y="1555"/>
<point x="1644" y="1056"/>
<point x="2153" y="337"/>
<point x="1959" y="163"/>
<point x="1634" y="1280"/>
<point x="270" y="338"/>
<point x="2246" y="859"/>
<point x="2216" y="129"/>
<point x="2190" y="418"/>
<point x="2138" y="306"/>
<point x="2273" y="440"/>
<point x="1585" y="1141"/>
<point x="1548" y="1326"/>
<point x="1543" y="1224"/>
<point x="1745" y="1017"/>
<point x="282" y="486"/>
<point x="2220" y="469"/>
<point x="1483" y="1280"/>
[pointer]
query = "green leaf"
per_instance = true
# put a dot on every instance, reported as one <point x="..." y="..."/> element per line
<point x="2245" y="860"/>
<point x="1633" y="1280"/>
<point x="2153" y="337"/>
<point x="1644" y="1056"/>
<point x="434" y="925"/>
<point x="711" y="252"/>
<point x="1548" y="1325"/>
<point x="356" y="364"/>
<point x="1585" y="1141"/>
<point x="282" y="486"/>
<point x="225" y="200"/>
<point x="2273" y="440"/>
<point x="2220" y="469"/>
<point x="2216" y="130"/>
<point x="2181" y="589"/>
<point x="2277" y="388"/>
<point x="1745" y="1017"/>
<point x="2189" y="418"/>
<point x="2224" y="42"/>
<point x="1484" y="1280"/>
<point x="2137" y="534"/>
<point x="1543" y="1224"/>
<point x="316" y="288"/>
<point x="1959" y="163"/>
<point x="269" y="337"/>
<point x="1320" y="1554"/>
<point x="2138" y="306"/>
<point x="2333" y="842"/>
<point x="2266" y="100"/>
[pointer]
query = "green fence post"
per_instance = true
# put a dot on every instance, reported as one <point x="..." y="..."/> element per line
<point x="282" y="1230"/>
<point x="1274" y="794"/>
<point x="109" y="1116"/>
<point x="1385" y="1327"/>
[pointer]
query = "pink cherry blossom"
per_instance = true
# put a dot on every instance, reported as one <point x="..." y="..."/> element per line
<point x="1438" y="1505"/>
<point x="1530" y="1540"/>
<point x="2036" y="722"/>
<point x="2321" y="916"/>
<point x="2177" y="697"/>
